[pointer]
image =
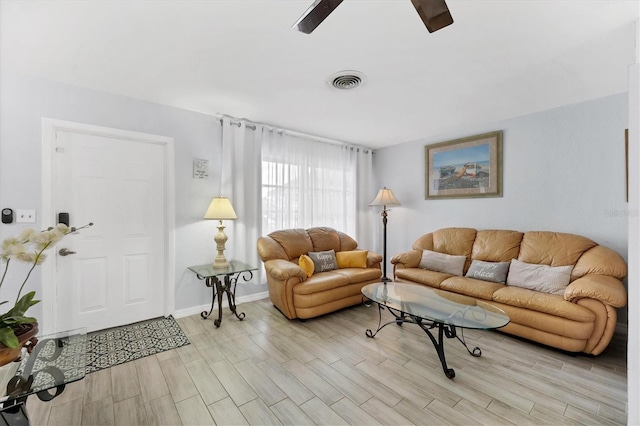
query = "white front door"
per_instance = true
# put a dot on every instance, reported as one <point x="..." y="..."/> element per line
<point x="116" y="273"/>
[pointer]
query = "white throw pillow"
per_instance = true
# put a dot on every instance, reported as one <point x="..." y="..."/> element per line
<point x="544" y="278"/>
<point x="442" y="262"/>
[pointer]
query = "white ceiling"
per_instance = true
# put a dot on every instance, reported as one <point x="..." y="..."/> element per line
<point x="499" y="59"/>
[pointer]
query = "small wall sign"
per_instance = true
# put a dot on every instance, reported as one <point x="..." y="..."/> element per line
<point x="200" y="168"/>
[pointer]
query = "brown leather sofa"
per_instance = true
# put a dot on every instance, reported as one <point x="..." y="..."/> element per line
<point x="582" y="319"/>
<point x="297" y="295"/>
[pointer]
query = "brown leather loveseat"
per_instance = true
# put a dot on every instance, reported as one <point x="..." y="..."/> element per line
<point x="577" y="315"/>
<point x="298" y="295"/>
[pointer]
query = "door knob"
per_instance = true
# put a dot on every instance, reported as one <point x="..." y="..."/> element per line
<point x="65" y="252"/>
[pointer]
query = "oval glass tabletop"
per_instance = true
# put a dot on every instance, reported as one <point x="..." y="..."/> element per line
<point x="436" y="305"/>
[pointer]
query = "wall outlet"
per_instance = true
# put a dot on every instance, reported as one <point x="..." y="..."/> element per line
<point x="26" y="216"/>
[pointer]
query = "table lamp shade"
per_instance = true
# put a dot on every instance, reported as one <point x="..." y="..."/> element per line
<point x="220" y="209"/>
<point x="384" y="198"/>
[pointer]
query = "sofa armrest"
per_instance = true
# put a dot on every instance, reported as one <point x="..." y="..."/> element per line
<point x="373" y="260"/>
<point x="282" y="270"/>
<point x="608" y="290"/>
<point x="408" y="259"/>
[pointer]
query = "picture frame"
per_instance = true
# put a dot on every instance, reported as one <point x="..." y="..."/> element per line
<point x="469" y="167"/>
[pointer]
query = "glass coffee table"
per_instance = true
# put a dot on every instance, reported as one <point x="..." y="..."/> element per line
<point x="54" y="362"/>
<point x="432" y="309"/>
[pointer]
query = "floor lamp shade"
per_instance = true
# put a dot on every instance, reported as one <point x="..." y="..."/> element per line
<point x="385" y="198"/>
<point x="220" y="209"/>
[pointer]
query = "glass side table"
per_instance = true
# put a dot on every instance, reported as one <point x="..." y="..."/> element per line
<point x="56" y="360"/>
<point x="230" y="275"/>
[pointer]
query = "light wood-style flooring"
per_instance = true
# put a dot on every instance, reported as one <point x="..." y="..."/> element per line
<point x="270" y="370"/>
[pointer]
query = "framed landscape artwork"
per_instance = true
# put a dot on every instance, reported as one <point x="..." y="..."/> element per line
<point x="465" y="168"/>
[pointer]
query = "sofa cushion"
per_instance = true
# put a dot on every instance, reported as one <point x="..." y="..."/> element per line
<point x="324" y="261"/>
<point x="458" y="241"/>
<point x="322" y="281"/>
<point x="542" y="302"/>
<point x="352" y="259"/>
<point x="324" y="239"/>
<point x="293" y="241"/>
<point x="488" y="271"/>
<point x="471" y="287"/>
<point x="553" y="248"/>
<point x="422" y="276"/>
<point x="442" y="262"/>
<point x="307" y="265"/>
<point x="547" y="279"/>
<point x="360" y="275"/>
<point x="495" y="245"/>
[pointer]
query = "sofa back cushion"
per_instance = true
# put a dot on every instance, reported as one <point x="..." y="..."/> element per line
<point x="324" y="239"/>
<point x="290" y="244"/>
<point x="456" y="241"/>
<point x="492" y="245"/>
<point x="536" y="247"/>
<point x="553" y="248"/>
<point x="294" y="242"/>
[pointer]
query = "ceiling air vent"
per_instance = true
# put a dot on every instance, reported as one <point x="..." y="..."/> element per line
<point x="346" y="80"/>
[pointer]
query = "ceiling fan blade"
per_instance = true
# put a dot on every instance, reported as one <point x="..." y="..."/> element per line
<point x="316" y="13"/>
<point x="434" y="13"/>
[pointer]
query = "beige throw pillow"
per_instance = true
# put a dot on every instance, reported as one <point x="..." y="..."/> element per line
<point x="544" y="278"/>
<point x="442" y="262"/>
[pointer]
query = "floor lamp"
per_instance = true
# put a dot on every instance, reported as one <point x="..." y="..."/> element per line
<point x="384" y="198"/>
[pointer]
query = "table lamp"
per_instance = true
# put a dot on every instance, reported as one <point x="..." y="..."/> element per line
<point x="220" y="209"/>
<point x="384" y="198"/>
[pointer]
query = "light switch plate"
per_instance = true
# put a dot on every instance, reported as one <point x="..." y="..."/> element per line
<point x="26" y="216"/>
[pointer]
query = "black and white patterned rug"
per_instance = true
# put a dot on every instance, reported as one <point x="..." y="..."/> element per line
<point x="106" y="348"/>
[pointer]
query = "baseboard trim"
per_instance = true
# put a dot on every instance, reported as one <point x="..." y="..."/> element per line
<point x="225" y="304"/>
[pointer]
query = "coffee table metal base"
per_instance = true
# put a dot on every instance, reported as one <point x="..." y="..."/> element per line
<point x="444" y="330"/>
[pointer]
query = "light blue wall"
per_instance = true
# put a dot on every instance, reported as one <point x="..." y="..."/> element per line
<point x="563" y="170"/>
<point x="25" y="101"/>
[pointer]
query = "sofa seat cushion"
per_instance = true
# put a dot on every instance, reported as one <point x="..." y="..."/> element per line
<point x="563" y="327"/>
<point x="543" y="302"/>
<point x="321" y="281"/>
<point x="471" y="287"/>
<point x="422" y="276"/>
<point x="359" y="275"/>
<point x="314" y="304"/>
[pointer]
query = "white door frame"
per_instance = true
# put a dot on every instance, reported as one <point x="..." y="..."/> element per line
<point x="48" y="217"/>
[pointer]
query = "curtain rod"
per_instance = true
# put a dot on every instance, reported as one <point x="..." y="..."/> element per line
<point x="254" y="125"/>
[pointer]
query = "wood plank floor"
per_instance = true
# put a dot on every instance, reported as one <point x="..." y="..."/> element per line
<point x="269" y="370"/>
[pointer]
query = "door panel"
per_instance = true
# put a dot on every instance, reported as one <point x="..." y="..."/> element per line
<point x="117" y="274"/>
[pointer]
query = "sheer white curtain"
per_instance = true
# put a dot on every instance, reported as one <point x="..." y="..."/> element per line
<point x="241" y="161"/>
<point x="308" y="182"/>
<point x="365" y="192"/>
